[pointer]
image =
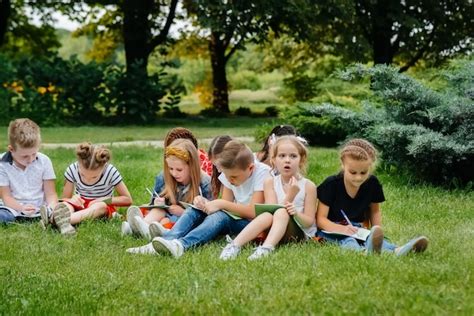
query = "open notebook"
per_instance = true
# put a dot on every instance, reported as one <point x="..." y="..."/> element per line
<point x="362" y="234"/>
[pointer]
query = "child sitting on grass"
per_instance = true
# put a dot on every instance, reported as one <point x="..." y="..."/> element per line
<point x="242" y="178"/>
<point x="289" y="188"/>
<point x="26" y="175"/>
<point x="89" y="189"/>
<point x="183" y="181"/>
<point x="352" y="197"/>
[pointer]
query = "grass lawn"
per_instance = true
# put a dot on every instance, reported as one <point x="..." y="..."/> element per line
<point x="43" y="273"/>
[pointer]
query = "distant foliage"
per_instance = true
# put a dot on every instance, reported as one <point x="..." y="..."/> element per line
<point x="427" y="132"/>
<point x="245" y="79"/>
<point x="243" y="111"/>
<point x="53" y="91"/>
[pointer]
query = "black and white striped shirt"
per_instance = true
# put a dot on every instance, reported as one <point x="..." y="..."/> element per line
<point x="104" y="187"/>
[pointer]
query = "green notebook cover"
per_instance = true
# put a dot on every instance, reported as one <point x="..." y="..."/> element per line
<point x="270" y="208"/>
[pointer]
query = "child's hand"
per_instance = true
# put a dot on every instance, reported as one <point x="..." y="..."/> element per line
<point x="290" y="208"/>
<point x="212" y="206"/>
<point x="76" y="199"/>
<point x="29" y="209"/>
<point x="175" y="210"/>
<point x="200" y="201"/>
<point x="349" y="229"/>
<point x="159" y="200"/>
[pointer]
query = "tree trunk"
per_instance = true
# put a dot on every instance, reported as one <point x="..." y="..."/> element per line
<point x="220" y="95"/>
<point x="136" y="34"/>
<point x="5" y="11"/>
<point x="382" y="33"/>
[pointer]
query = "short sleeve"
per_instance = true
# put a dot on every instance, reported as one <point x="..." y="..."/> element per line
<point x="377" y="191"/>
<point x="326" y="191"/>
<point x="69" y="174"/>
<point x="224" y="181"/>
<point x="116" y="176"/>
<point x="261" y="175"/>
<point x="48" y="173"/>
<point x="4" y="181"/>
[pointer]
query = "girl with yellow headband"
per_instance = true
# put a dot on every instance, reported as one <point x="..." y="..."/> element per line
<point x="183" y="181"/>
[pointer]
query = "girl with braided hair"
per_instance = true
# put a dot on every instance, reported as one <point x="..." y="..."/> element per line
<point x="351" y="199"/>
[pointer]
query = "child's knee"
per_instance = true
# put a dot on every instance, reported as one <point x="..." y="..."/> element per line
<point x="281" y="214"/>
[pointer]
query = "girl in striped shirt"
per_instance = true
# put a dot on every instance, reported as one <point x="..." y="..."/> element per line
<point x="89" y="188"/>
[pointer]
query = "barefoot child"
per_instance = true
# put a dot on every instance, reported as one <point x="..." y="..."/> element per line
<point x="289" y="188"/>
<point x="183" y="180"/>
<point x="242" y="178"/>
<point x="352" y="197"/>
<point x="89" y="188"/>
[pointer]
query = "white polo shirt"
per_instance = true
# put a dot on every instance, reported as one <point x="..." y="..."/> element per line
<point x="243" y="193"/>
<point x="26" y="186"/>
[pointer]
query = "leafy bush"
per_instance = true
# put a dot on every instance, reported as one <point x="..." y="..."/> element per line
<point x="326" y="124"/>
<point x="53" y="91"/>
<point x="243" y="111"/>
<point x="427" y="132"/>
<point x="245" y="79"/>
<point x="271" y="110"/>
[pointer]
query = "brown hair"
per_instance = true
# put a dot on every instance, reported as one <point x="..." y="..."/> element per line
<point x="358" y="149"/>
<point x="92" y="157"/>
<point x="215" y="148"/>
<point x="185" y="150"/>
<point x="295" y="141"/>
<point x="177" y="133"/>
<point x="24" y="133"/>
<point x="277" y="131"/>
<point x="235" y="155"/>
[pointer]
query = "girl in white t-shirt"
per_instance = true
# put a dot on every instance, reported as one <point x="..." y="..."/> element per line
<point x="89" y="188"/>
<point x="288" y="188"/>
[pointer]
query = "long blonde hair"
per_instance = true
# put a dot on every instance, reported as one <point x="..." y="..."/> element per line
<point x="300" y="147"/>
<point x="184" y="150"/>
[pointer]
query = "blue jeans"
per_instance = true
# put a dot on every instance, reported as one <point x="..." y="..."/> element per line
<point x="6" y="216"/>
<point x="352" y="243"/>
<point x="195" y="228"/>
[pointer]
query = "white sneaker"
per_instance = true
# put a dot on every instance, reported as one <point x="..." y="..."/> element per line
<point x="157" y="230"/>
<point x="62" y="218"/>
<point x="45" y="212"/>
<point x="260" y="252"/>
<point x="168" y="247"/>
<point x="230" y="252"/>
<point x="126" y="229"/>
<point x="143" y="250"/>
<point x="139" y="227"/>
<point x="133" y="211"/>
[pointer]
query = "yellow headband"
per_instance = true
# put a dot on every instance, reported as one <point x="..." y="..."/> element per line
<point x="174" y="151"/>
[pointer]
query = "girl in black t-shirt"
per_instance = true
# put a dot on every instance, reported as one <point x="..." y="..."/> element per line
<point x="351" y="199"/>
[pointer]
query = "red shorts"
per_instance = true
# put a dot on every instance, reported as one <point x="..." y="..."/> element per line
<point x="111" y="209"/>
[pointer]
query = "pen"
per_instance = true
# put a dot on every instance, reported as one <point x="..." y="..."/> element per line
<point x="346" y="218"/>
<point x="149" y="191"/>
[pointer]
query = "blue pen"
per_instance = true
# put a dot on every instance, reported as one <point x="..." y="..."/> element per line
<point x="346" y="218"/>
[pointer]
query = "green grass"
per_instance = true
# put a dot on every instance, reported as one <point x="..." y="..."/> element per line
<point x="43" y="273"/>
<point x="200" y="126"/>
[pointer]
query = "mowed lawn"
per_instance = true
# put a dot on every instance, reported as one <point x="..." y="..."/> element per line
<point x="43" y="273"/>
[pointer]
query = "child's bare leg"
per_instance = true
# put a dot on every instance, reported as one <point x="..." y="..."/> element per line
<point x="94" y="211"/>
<point x="155" y="215"/>
<point x="252" y="230"/>
<point x="280" y="223"/>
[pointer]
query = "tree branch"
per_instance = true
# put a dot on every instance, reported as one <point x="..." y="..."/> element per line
<point x="419" y="54"/>
<point x="161" y="38"/>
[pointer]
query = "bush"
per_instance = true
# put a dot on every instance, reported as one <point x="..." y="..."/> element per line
<point x="271" y="110"/>
<point x="328" y="125"/>
<point x="245" y="79"/>
<point x="243" y="111"/>
<point x="429" y="133"/>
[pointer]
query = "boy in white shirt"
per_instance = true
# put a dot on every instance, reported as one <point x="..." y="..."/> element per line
<point x="243" y="178"/>
<point x="26" y="175"/>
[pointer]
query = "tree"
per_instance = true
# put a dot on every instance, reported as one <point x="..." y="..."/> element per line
<point x="401" y="32"/>
<point x="140" y="25"/>
<point x="228" y="25"/>
<point x="19" y="36"/>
